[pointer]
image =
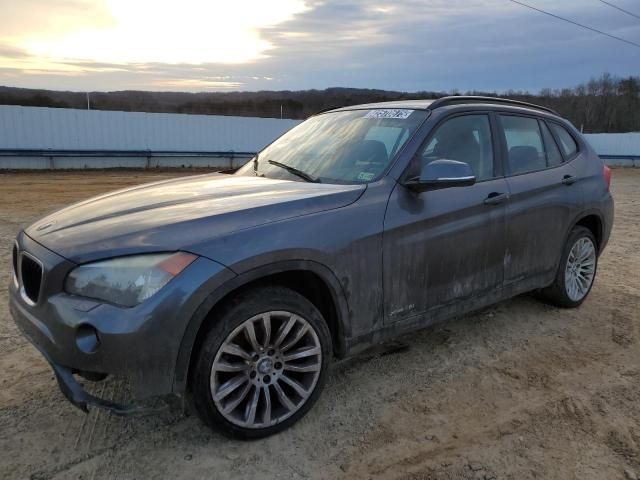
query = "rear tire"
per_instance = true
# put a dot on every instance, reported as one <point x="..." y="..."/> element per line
<point x="262" y="363"/>
<point x="576" y="272"/>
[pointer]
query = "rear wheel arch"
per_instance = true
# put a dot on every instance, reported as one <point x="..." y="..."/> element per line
<point x="593" y="222"/>
<point x="559" y="292"/>
<point x="312" y="280"/>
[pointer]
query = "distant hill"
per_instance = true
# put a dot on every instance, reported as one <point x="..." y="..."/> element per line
<point x="295" y="104"/>
<point x="605" y="104"/>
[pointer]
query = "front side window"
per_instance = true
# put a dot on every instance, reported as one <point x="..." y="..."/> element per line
<point x="466" y="138"/>
<point x="567" y="143"/>
<point x="525" y="150"/>
<point x="353" y="146"/>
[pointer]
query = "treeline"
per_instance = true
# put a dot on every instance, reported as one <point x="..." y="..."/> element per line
<point x="604" y="104"/>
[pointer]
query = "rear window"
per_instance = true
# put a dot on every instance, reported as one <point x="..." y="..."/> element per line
<point x="567" y="143"/>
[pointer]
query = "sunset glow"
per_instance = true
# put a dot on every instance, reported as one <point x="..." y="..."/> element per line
<point x="189" y="32"/>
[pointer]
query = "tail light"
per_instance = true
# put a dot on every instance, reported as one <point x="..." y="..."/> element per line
<point x="606" y="173"/>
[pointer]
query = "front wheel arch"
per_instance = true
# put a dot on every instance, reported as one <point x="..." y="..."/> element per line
<point x="267" y="274"/>
<point x="235" y="364"/>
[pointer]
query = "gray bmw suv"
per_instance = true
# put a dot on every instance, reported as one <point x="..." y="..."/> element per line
<point x="358" y="225"/>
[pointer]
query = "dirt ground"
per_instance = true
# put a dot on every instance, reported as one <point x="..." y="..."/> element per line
<point x="518" y="391"/>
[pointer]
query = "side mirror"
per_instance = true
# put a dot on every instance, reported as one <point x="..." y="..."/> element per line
<point x="442" y="174"/>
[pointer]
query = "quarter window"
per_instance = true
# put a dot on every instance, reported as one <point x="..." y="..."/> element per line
<point x="466" y="138"/>
<point x="554" y="157"/>
<point x="567" y="143"/>
<point x="525" y="149"/>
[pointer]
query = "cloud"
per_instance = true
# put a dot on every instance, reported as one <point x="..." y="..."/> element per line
<point x="198" y="84"/>
<point x="32" y="18"/>
<point x="10" y="51"/>
<point x="483" y="44"/>
<point x="409" y="45"/>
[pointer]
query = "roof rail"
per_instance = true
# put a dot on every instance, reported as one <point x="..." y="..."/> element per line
<point x="453" y="100"/>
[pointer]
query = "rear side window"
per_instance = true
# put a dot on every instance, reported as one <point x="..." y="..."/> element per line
<point x="525" y="149"/>
<point x="567" y="143"/>
<point x="554" y="157"/>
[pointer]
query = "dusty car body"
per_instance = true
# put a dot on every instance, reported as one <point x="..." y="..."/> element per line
<point x="389" y="247"/>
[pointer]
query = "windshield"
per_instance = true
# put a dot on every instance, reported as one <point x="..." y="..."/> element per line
<point x="341" y="147"/>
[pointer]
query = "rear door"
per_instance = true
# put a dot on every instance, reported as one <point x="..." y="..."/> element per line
<point x="447" y="245"/>
<point x="544" y="196"/>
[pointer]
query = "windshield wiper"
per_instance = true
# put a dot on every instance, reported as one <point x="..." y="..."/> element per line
<point x="295" y="171"/>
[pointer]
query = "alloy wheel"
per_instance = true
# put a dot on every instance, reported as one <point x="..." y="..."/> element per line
<point x="580" y="269"/>
<point x="266" y="369"/>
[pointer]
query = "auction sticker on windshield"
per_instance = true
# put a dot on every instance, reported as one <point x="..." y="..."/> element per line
<point x="389" y="113"/>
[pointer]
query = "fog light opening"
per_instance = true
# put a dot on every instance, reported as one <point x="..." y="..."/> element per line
<point x="87" y="338"/>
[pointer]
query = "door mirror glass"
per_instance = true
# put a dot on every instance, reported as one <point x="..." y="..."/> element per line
<point x="443" y="173"/>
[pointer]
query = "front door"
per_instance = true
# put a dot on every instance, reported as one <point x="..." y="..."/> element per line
<point x="446" y="245"/>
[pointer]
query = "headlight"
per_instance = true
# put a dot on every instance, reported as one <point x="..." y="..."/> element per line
<point x="126" y="281"/>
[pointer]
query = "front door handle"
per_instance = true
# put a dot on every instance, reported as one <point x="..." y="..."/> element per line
<point x="495" y="198"/>
<point x="569" y="180"/>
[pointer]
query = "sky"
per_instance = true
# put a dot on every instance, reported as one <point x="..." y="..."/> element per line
<point x="211" y="45"/>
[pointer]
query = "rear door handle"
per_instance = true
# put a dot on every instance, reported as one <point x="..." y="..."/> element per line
<point x="495" y="198"/>
<point x="569" y="180"/>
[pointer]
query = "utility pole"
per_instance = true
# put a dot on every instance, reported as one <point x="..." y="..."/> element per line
<point x="280" y="111"/>
<point x="88" y="102"/>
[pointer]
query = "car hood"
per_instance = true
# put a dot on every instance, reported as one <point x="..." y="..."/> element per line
<point x="176" y="214"/>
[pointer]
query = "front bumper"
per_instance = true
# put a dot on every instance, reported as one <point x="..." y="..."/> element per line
<point x="140" y="344"/>
<point x="79" y="397"/>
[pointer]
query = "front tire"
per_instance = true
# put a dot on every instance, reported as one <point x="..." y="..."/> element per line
<point x="262" y="364"/>
<point x="576" y="272"/>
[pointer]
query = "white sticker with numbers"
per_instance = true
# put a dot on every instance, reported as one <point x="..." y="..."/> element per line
<point x="389" y="113"/>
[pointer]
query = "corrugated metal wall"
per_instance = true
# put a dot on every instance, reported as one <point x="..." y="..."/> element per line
<point x="162" y="139"/>
<point x="49" y="138"/>
<point x="623" y="144"/>
<point x="617" y="149"/>
<point x="68" y="129"/>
